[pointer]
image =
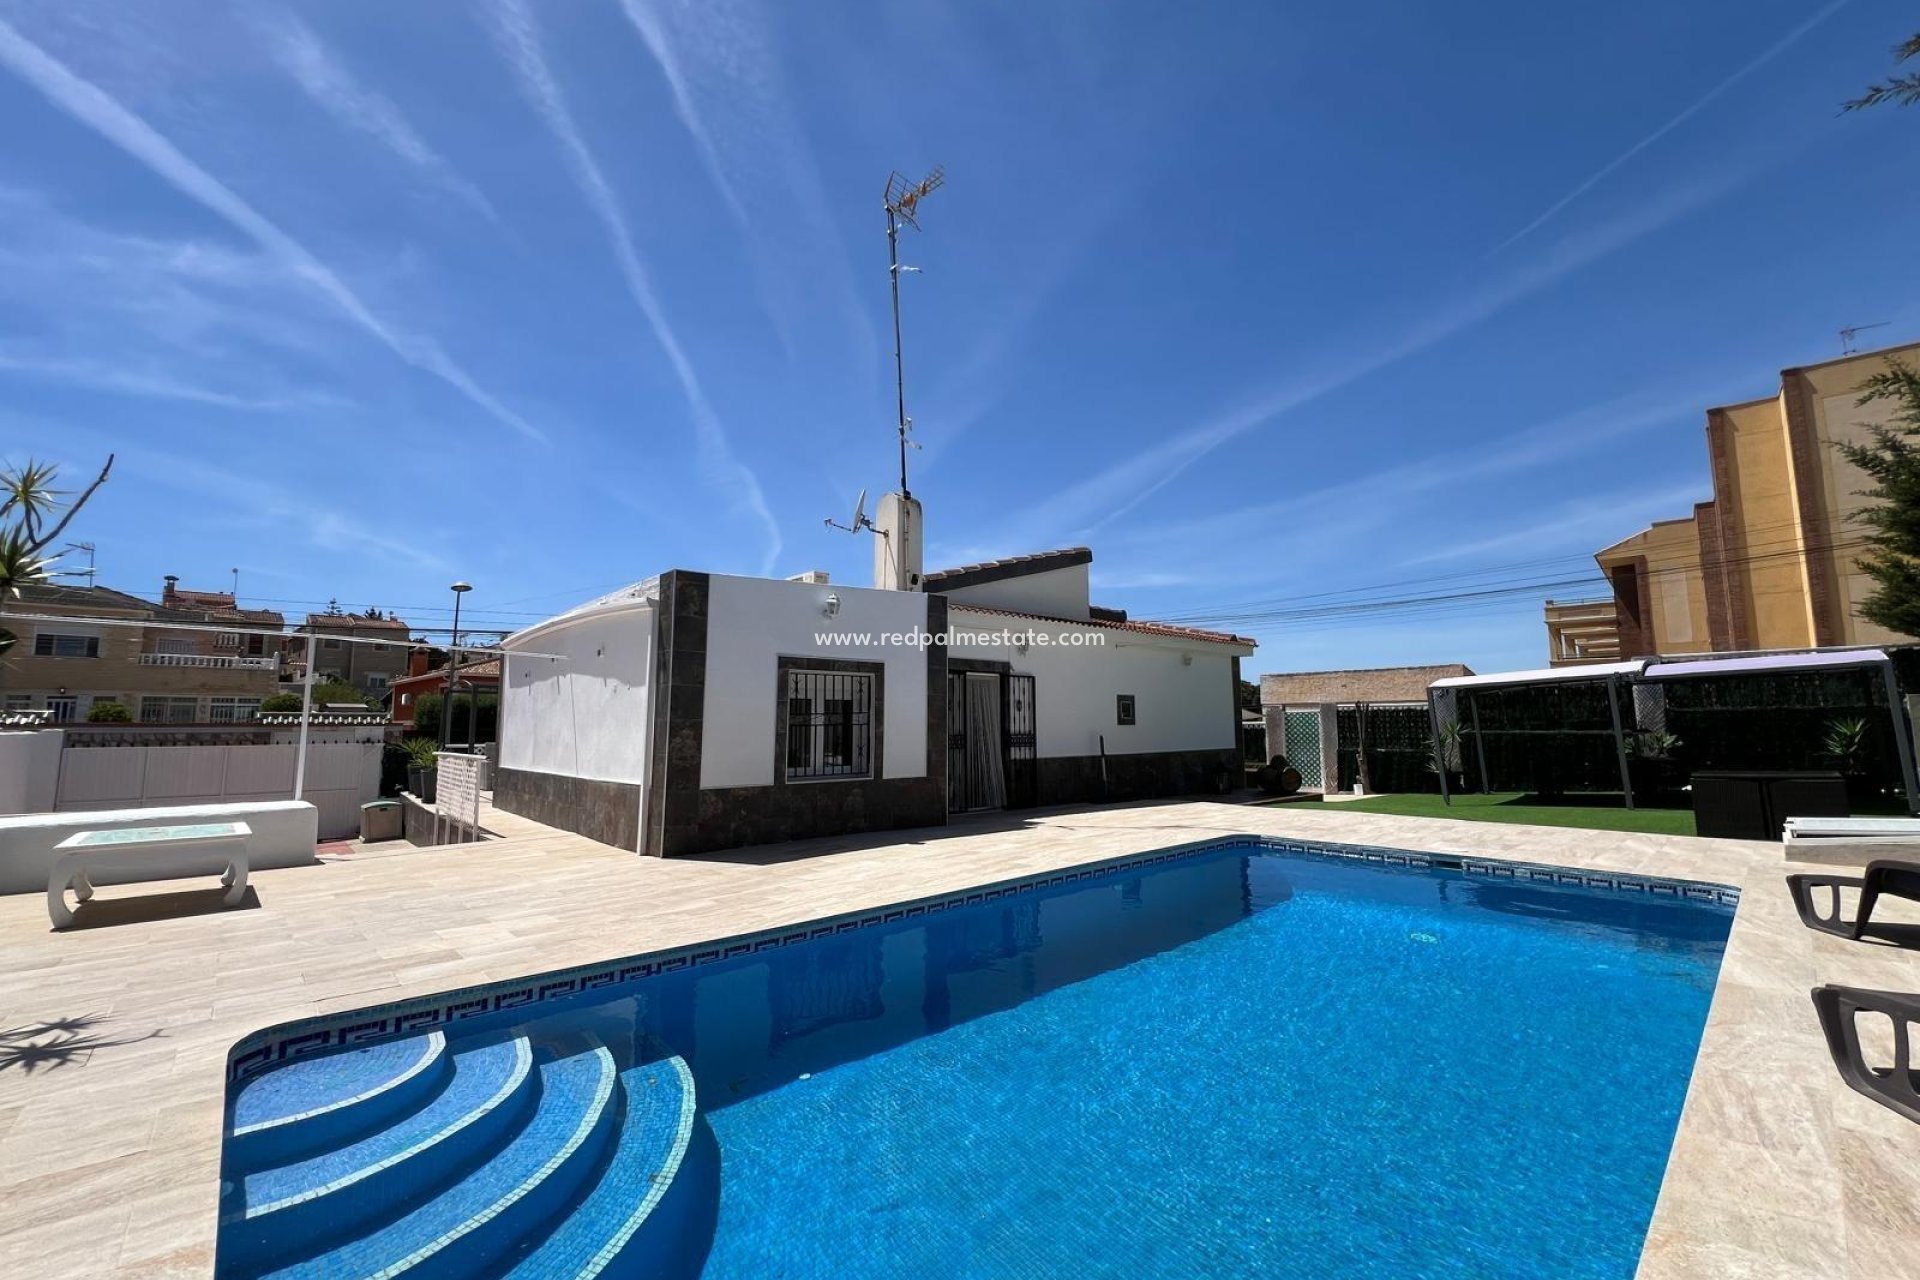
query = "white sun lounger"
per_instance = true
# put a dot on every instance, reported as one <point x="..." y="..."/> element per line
<point x="1848" y="839"/>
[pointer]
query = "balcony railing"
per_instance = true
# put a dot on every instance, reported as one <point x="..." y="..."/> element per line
<point x="207" y="660"/>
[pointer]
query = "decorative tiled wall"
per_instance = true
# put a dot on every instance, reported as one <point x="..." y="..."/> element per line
<point x="277" y="1044"/>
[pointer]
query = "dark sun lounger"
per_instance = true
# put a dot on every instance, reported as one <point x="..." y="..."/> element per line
<point x="1885" y="877"/>
<point x="1896" y="1087"/>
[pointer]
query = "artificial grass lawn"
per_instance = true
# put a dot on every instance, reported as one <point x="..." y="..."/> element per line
<point x="1514" y="807"/>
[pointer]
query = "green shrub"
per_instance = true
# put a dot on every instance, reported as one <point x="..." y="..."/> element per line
<point x="470" y="723"/>
<point x="279" y="703"/>
<point x="109" y="713"/>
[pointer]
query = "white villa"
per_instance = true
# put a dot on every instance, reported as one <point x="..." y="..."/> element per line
<point x="694" y="712"/>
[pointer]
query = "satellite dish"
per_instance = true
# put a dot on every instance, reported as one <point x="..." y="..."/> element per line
<point x="859" y="521"/>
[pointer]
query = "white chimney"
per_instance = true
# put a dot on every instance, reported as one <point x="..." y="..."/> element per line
<point x="896" y="548"/>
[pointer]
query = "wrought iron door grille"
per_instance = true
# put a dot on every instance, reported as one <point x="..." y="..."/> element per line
<point x="829" y="725"/>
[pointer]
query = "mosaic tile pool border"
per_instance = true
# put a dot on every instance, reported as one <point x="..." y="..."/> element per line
<point x="273" y="1045"/>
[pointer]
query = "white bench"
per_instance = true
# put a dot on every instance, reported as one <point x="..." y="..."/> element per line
<point x="148" y="853"/>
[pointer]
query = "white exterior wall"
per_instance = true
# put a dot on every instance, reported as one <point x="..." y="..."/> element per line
<point x="753" y="622"/>
<point x="1178" y="707"/>
<point x="1057" y="593"/>
<point x="586" y="713"/>
<point x="29" y="770"/>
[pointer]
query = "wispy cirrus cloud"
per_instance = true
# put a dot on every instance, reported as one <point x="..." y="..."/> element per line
<point x="1106" y="496"/>
<point x="90" y="105"/>
<point x="727" y="92"/>
<point x="117" y="378"/>
<point x="519" y="40"/>
<point x="299" y="51"/>
<point x="1578" y="523"/>
<point x="1599" y="175"/>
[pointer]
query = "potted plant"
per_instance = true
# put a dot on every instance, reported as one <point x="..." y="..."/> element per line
<point x="421" y="754"/>
<point x="1655" y="774"/>
<point x="1848" y="746"/>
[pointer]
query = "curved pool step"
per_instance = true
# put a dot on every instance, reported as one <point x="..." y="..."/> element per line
<point x="272" y="1214"/>
<point x="314" y="1104"/>
<point x="468" y="1228"/>
<point x="652" y="1211"/>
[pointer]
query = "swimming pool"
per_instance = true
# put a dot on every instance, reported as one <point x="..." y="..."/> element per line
<point x="1240" y="1060"/>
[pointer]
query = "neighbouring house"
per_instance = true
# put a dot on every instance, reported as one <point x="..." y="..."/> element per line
<point x="477" y="677"/>
<point x="695" y="711"/>
<point x="1319" y="720"/>
<point x="1771" y="560"/>
<point x="369" y="668"/>
<point x="73" y="652"/>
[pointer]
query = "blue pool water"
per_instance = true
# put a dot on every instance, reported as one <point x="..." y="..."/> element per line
<point x="1241" y="1063"/>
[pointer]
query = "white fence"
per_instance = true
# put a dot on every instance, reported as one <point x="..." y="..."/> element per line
<point x="340" y="778"/>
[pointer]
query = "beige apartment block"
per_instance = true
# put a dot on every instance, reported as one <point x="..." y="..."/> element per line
<point x="1771" y="560"/>
<point x="72" y="651"/>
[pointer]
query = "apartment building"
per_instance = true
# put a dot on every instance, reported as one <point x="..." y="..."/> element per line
<point x="72" y="651"/>
<point x="1771" y="560"/>
<point x="369" y="668"/>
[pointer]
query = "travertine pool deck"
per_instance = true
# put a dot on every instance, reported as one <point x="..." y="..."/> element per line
<point x="112" y="1067"/>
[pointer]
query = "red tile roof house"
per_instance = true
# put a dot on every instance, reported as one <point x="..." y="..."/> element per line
<point x="474" y="677"/>
<point x="695" y="711"/>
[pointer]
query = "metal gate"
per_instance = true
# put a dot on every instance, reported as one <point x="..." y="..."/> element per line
<point x="1302" y="747"/>
<point x="1019" y="745"/>
<point x="1023" y="743"/>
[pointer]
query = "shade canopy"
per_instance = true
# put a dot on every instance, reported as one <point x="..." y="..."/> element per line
<point x="1766" y="663"/>
<point x="1545" y="675"/>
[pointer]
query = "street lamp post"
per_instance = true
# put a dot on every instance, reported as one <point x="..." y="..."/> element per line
<point x="453" y="665"/>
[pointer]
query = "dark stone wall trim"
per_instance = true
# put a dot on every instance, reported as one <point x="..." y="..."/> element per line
<point x="679" y="707"/>
<point x="605" y="811"/>
<point x="1144" y="776"/>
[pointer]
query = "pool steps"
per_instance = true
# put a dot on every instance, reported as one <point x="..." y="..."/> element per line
<point x="288" y="1207"/>
<point x="327" y="1102"/>
<point x="535" y="1159"/>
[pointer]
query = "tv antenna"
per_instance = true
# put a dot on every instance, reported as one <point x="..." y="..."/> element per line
<point x="861" y="520"/>
<point x="90" y="573"/>
<point x="1846" y="335"/>
<point x="903" y="205"/>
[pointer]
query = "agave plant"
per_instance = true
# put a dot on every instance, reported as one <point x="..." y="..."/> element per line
<point x="1846" y="743"/>
<point x="422" y="752"/>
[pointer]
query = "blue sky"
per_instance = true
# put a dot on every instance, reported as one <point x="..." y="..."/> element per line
<point x="1264" y="302"/>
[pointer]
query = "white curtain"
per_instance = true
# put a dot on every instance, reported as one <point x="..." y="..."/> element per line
<point x="984" y="768"/>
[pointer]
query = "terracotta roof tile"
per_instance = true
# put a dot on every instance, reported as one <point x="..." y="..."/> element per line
<point x="1165" y="629"/>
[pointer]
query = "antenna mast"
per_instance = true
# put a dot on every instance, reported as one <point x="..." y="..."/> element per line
<point x="903" y="203"/>
<point x="1847" y="335"/>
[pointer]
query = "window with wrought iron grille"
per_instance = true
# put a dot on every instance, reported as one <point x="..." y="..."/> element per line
<point x="829" y="725"/>
<point x="162" y="710"/>
<point x="232" y="710"/>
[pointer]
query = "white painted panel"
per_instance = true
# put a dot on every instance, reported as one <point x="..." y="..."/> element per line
<point x="583" y="713"/>
<point x="1057" y="593"/>
<point x="188" y="772"/>
<point x="1179" y="706"/>
<point x="753" y="622"/>
<point x="29" y="770"/>
<point x="100" y="777"/>
<point x="262" y="769"/>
